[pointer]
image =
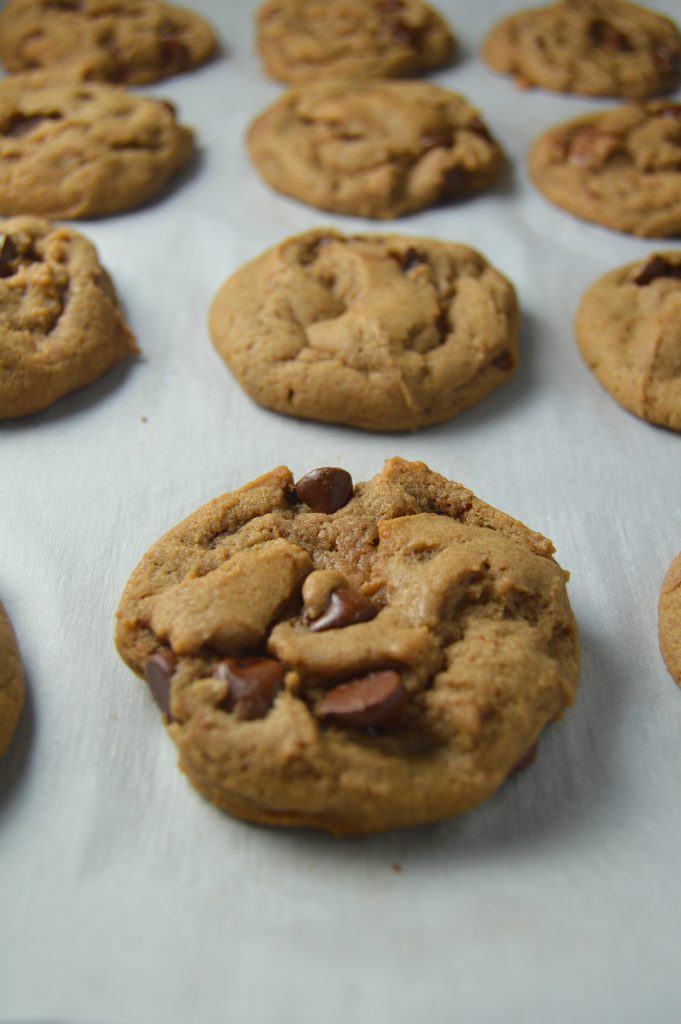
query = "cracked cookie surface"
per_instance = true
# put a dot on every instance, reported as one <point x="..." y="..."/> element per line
<point x="669" y="619"/>
<point x="378" y="332"/>
<point x="11" y="682"/>
<point x="620" y="168"/>
<point x="351" y="658"/>
<point x="591" y="47"/>
<point x="628" y="329"/>
<point x="73" y="149"/>
<point x="305" y="40"/>
<point x="374" y="149"/>
<point x="133" y="41"/>
<point x="60" y="323"/>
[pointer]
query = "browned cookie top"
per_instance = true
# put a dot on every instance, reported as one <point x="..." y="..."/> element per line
<point x="353" y="658"/>
<point x="60" y="323"/>
<point x="303" y="40"/>
<point x="620" y="168"/>
<point x="629" y="332"/>
<point x="74" y="149"/>
<point x="593" y="47"/>
<point x="132" y="41"/>
<point x="374" y="149"/>
<point x="11" y="682"/>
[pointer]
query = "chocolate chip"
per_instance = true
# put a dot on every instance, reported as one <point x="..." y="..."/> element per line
<point x="454" y="183"/>
<point x="174" y="53"/>
<point x="325" y="490"/>
<point x="376" y="700"/>
<point x="657" y="266"/>
<point x="158" y="671"/>
<point x="504" y="361"/>
<point x="404" y="35"/>
<point x="411" y="258"/>
<point x="345" y="608"/>
<point x="605" y="35"/>
<point x="253" y="684"/>
<point x="8" y="255"/>
<point x="525" y="761"/>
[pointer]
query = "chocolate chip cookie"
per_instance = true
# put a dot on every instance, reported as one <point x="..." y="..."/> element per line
<point x="374" y="149"/>
<point x="380" y="332"/>
<point x="305" y="40"/>
<point x="136" y="41"/>
<point x="351" y="658"/>
<point x="72" y="149"/>
<point x="629" y="332"/>
<point x="11" y="682"/>
<point x="592" y="47"/>
<point x="669" y="612"/>
<point x="60" y="323"/>
<point x="620" y="168"/>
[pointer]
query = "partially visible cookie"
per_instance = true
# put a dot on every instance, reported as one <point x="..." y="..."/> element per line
<point x="620" y="168"/>
<point x="136" y="41"/>
<point x="628" y="330"/>
<point x="374" y="149"/>
<point x="60" y="323"/>
<point x="305" y="40"/>
<point x="378" y="332"/>
<point x="351" y="658"/>
<point x="669" y="619"/>
<point x="71" y="149"/>
<point x="11" y="682"/>
<point x="592" y="47"/>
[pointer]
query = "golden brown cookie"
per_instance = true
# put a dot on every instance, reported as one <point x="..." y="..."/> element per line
<point x="592" y="47"/>
<point x="11" y="682"/>
<point x="351" y="658"/>
<point x="305" y="40"/>
<point x="72" y="149"/>
<point x="380" y="332"/>
<point x="133" y="41"/>
<point x="620" y="168"/>
<point x="374" y="149"/>
<point x="628" y="330"/>
<point x="60" y="323"/>
<point x="669" y="619"/>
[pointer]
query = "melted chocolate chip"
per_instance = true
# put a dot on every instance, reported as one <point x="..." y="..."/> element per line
<point x="345" y="608"/>
<point x="605" y="35"/>
<point x="657" y="266"/>
<point x="504" y="361"/>
<point x="375" y="701"/>
<point x="253" y="684"/>
<point x="325" y="490"/>
<point x="158" y="672"/>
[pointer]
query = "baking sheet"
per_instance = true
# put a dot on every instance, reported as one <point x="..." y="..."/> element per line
<point x="124" y="896"/>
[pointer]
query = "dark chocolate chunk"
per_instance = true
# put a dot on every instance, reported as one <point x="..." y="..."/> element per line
<point x="325" y="490"/>
<point x="657" y="266"/>
<point x="158" y="672"/>
<point x="345" y="608"/>
<point x="376" y="701"/>
<point x="253" y="684"/>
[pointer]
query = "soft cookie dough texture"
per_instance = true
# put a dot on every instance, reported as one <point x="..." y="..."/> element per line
<point x="592" y="47"/>
<point x="620" y="168"/>
<point x="11" y="682"/>
<point x="134" y="41"/>
<point x="305" y="40"/>
<point x="60" y="323"/>
<point x="421" y="640"/>
<point x="669" y="617"/>
<point x="72" y="149"/>
<point x="374" y="149"/>
<point x="628" y="330"/>
<point x="378" y="332"/>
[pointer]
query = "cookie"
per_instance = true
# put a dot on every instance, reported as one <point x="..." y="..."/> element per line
<point x="73" y="149"/>
<point x="351" y="658"/>
<point x="669" y="619"/>
<point x="305" y="40"/>
<point x="592" y="47"/>
<point x="137" y="41"/>
<point x="620" y="168"/>
<point x="60" y="323"/>
<point x="374" y="149"/>
<point x="11" y="682"/>
<point x="628" y="329"/>
<point x="380" y="332"/>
